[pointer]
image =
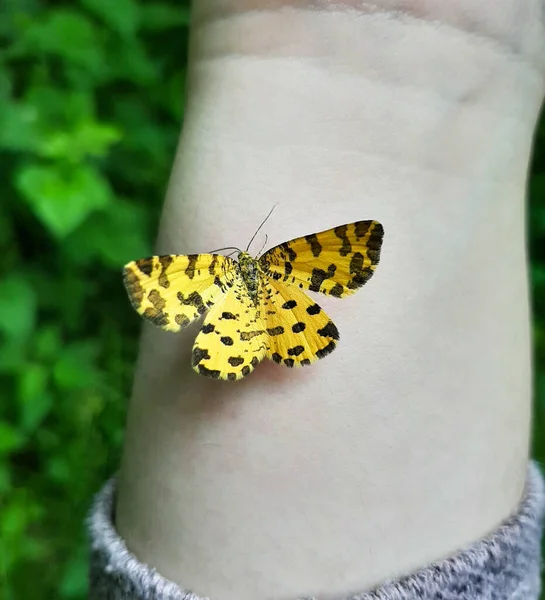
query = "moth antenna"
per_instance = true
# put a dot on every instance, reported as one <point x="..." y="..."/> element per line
<point x="234" y="248"/>
<point x="266" y="240"/>
<point x="259" y="228"/>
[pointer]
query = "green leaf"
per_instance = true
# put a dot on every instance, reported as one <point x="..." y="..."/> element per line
<point x="74" y="581"/>
<point x="76" y="367"/>
<point x="87" y="138"/>
<point x="114" y="237"/>
<point x="17" y="307"/>
<point x="172" y="95"/>
<point x="13" y="15"/>
<point x="537" y="205"/>
<point x="34" y="400"/>
<point x="121" y="15"/>
<point x="537" y="274"/>
<point x="130" y="62"/>
<point x="47" y="342"/>
<point x="60" y="107"/>
<point x="58" y="469"/>
<point x="13" y="353"/>
<point x="67" y="34"/>
<point x="10" y="438"/>
<point x="17" y="515"/>
<point x="19" y="126"/>
<point x="62" y="198"/>
<point x="5" y="480"/>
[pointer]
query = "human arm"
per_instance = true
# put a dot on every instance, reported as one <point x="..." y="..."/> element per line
<point x="288" y="482"/>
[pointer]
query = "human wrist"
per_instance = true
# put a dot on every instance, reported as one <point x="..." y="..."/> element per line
<point x="406" y="93"/>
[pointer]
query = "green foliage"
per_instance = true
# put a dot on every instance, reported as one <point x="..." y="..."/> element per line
<point x="90" y="108"/>
<point x="537" y="257"/>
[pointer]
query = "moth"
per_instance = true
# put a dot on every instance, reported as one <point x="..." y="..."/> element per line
<point x="256" y="308"/>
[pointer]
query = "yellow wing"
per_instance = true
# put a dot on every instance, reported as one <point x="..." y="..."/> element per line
<point x="173" y="290"/>
<point x="335" y="262"/>
<point x="231" y="342"/>
<point x="299" y="331"/>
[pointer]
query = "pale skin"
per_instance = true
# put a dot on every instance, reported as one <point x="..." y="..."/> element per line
<point x="410" y="440"/>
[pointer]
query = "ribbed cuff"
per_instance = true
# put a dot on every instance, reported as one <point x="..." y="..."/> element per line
<point x="505" y="565"/>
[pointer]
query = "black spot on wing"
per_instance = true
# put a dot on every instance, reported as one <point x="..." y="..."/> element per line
<point x="190" y="269"/>
<point x="213" y="373"/>
<point x="361" y="228"/>
<point x="360" y="274"/>
<point x="165" y="262"/>
<point x="155" y="313"/>
<point x="232" y="376"/>
<point x="298" y="327"/>
<point x="289" y="304"/>
<point x="228" y="315"/>
<point x="145" y="265"/>
<point x="327" y="350"/>
<point x="360" y="279"/>
<point x="315" y="246"/>
<point x="289" y="362"/>
<point x="319" y="276"/>
<point x="246" y="370"/>
<point x="212" y="265"/>
<point x="374" y="243"/>
<point x="346" y="246"/>
<point x="276" y="357"/>
<point x="295" y="351"/>
<point x="254" y="362"/>
<point x="337" y="290"/>
<point x="292" y="255"/>
<point x="208" y="328"/>
<point x="278" y="330"/>
<point x="305" y="362"/>
<point x="194" y="299"/>
<point x="235" y="361"/>
<point x="329" y="330"/>
<point x="246" y="336"/>
<point x="182" y="320"/>
<point x="313" y="310"/>
<point x="226" y="340"/>
<point x="356" y="262"/>
<point x="158" y="318"/>
<point x="221" y="284"/>
<point x="134" y="288"/>
<point x="198" y="355"/>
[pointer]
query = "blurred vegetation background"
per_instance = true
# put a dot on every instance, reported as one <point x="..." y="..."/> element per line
<point x="90" y="106"/>
<point x="91" y="95"/>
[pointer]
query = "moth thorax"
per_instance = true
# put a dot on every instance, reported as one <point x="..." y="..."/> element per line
<point x="249" y="271"/>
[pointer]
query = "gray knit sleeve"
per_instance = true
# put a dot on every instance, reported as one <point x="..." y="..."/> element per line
<point x="503" y="566"/>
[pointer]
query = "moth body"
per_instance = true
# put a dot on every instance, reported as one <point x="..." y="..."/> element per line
<point x="250" y="273"/>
